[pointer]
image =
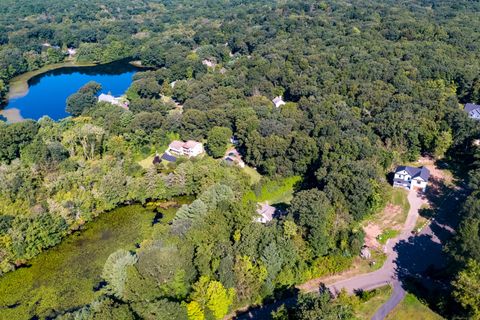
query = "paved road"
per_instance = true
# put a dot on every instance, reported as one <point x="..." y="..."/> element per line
<point x="397" y="297"/>
<point x="407" y="255"/>
<point x="387" y="273"/>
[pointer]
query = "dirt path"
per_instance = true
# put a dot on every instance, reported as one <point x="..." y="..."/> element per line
<point x="406" y="254"/>
<point x="386" y="274"/>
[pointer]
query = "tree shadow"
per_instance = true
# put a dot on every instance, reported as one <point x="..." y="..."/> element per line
<point x="422" y="264"/>
<point x="287" y="297"/>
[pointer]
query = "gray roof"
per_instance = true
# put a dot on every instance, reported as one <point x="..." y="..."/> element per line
<point x="421" y="172"/>
<point x="471" y="106"/>
<point x="168" y="157"/>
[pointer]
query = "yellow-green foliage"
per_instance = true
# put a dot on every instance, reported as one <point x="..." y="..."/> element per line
<point x="64" y="277"/>
<point x="274" y="191"/>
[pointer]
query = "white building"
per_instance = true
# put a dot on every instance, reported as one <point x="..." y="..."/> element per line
<point x="473" y="110"/>
<point x="278" y="101"/>
<point x="190" y="148"/>
<point x="265" y="212"/>
<point x="121" y="102"/>
<point x="411" y="178"/>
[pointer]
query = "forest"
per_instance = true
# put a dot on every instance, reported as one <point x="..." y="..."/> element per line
<point x="367" y="84"/>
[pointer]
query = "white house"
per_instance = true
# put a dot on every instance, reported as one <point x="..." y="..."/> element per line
<point x="121" y="102"/>
<point x="71" y="52"/>
<point x="190" y="148"/>
<point x="411" y="178"/>
<point x="265" y="212"/>
<point x="473" y="110"/>
<point x="278" y="101"/>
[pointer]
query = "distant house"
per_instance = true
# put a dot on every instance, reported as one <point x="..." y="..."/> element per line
<point x="120" y="101"/>
<point x="278" y="101"/>
<point x="233" y="157"/>
<point x="209" y="63"/>
<point x="190" y="148"/>
<point x="411" y="178"/>
<point x="71" y="52"/>
<point x="473" y="110"/>
<point x="266" y="213"/>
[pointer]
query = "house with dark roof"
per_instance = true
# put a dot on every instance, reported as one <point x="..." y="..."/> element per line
<point x="411" y="178"/>
<point x="473" y="110"/>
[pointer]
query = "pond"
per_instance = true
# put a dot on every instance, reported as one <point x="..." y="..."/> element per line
<point x="47" y="92"/>
<point x="65" y="277"/>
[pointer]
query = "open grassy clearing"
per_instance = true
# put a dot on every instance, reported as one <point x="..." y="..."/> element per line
<point x="366" y="309"/>
<point x="274" y="191"/>
<point x="411" y="308"/>
<point x="255" y="177"/>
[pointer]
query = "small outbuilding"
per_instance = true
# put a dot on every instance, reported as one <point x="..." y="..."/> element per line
<point x="278" y="101"/>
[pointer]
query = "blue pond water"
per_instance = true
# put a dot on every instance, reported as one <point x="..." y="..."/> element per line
<point x="49" y="91"/>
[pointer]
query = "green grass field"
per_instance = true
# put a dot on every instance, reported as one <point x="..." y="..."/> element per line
<point x="65" y="276"/>
<point x="274" y="191"/>
<point x="399" y="198"/>
<point x="365" y="310"/>
<point x="411" y="308"/>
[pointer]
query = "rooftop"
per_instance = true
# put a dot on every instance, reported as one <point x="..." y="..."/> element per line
<point x="421" y="172"/>
<point x="471" y="106"/>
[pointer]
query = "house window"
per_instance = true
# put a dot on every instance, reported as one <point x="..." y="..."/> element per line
<point x="419" y="182"/>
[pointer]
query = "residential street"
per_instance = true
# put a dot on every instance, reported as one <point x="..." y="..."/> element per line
<point x="408" y="255"/>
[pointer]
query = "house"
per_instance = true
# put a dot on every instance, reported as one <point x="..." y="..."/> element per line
<point x="411" y="178"/>
<point x="233" y="157"/>
<point x="209" y="63"/>
<point x="278" y="101"/>
<point x="120" y="101"/>
<point x="266" y="212"/>
<point x="473" y="110"/>
<point x="190" y="148"/>
<point x="71" y="52"/>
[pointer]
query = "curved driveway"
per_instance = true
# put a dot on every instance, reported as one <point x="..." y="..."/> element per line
<point x="386" y="274"/>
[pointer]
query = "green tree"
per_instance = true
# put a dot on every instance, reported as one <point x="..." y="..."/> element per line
<point x="217" y="141"/>
<point x="467" y="288"/>
<point x="115" y="271"/>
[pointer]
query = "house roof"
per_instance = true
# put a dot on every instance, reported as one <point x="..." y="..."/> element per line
<point x="277" y="100"/>
<point x="106" y="98"/>
<point x="266" y="211"/>
<point x="176" y="144"/>
<point x="191" y="144"/>
<point x="168" y="157"/>
<point x="421" y="172"/>
<point x="471" y="106"/>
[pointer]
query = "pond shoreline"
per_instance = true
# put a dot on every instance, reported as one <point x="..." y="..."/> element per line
<point x="18" y="86"/>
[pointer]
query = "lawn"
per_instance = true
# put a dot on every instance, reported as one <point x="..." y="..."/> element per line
<point x="387" y="234"/>
<point x="274" y="191"/>
<point x="411" y="308"/>
<point x="365" y="310"/>
<point x="399" y="197"/>
<point x="255" y="177"/>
